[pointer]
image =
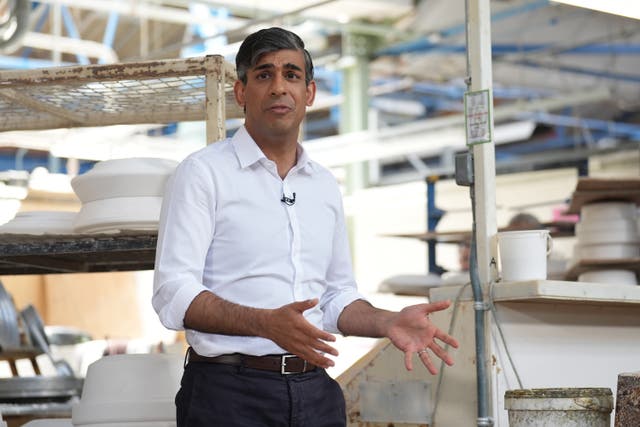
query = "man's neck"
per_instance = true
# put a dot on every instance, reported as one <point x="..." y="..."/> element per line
<point x="284" y="155"/>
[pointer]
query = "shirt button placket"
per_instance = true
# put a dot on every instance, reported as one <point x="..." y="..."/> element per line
<point x="295" y="243"/>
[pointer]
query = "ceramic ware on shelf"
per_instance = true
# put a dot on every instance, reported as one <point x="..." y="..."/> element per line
<point x="130" y="390"/>
<point x="40" y="222"/>
<point x="131" y="177"/>
<point x="607" y="251"/>
<point x="621" y="230"/>
<point x="616" y="277"/>
<point x="119" y="213"/>
<point x="122" y="194"/>
<point x="613" y="231"/>
<point x="607" y="211"/>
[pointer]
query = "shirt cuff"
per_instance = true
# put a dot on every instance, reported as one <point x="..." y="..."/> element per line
<point x="172" y="316"/>
<point x="333" y="310"/>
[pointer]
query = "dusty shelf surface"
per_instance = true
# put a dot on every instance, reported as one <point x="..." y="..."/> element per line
<point x="82" y="253"/>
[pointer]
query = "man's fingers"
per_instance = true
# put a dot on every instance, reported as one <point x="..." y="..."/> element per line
<point x="326" y="348"/>
<point x="447" y="339"/>
<point x="441" y="353"/>
<point x="427" y="362"/>
<point x="408" y="360"/>
<point x="436" y="306"/>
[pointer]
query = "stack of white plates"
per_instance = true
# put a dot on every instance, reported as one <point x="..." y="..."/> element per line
<point x="40" y="222"/>
<point x="608" y="231"/>
<point x="121" y="194"/>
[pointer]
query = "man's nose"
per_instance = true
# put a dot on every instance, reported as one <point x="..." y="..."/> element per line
<point x="278" y="85"/>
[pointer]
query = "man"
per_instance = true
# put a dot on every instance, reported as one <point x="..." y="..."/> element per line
<point x="253" y="262"/>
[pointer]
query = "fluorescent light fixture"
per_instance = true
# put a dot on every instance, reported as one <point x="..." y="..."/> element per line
<point x="627" y="8"/>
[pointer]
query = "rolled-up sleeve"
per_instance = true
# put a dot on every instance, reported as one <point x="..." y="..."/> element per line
<point x="341" y="285"/>
<point x="185" y="231"/>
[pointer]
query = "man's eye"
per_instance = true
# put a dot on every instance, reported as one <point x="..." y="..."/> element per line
<point x="292" y="75"/>
<point x="262" y="76"/>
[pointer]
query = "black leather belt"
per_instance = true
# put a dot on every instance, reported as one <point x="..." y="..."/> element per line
<point x="285" y="364"/>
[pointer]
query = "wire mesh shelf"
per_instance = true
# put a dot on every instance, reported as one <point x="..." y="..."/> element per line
<point x="98" y="95"/>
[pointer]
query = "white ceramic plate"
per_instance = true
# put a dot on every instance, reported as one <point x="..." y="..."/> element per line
<point x="124" y="178"/>
<point x="119" y="213"/>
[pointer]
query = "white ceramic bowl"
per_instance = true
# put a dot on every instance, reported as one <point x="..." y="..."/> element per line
<point x="608" y="211"/>
<point x="119" y="213"/>
<point x="607" y="251"/>
<point x="131" y="177"/>
<point x="615" y="277"/>
<point x="131" y="390"/>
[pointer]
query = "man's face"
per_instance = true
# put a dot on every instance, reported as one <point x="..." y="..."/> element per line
<point x="275" y="96"/>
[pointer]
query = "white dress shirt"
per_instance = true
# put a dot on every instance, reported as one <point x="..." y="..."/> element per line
<point x="224" y="229"/>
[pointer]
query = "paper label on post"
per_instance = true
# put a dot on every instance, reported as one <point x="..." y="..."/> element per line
<point x="477" y="111"/>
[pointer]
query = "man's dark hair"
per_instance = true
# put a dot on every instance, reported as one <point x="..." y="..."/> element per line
<point x="266" y="41"/>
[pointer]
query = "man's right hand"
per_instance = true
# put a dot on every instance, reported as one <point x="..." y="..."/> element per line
<point x="287" y="327"/>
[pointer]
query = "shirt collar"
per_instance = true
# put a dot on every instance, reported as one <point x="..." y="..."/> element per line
<point x="249" y="153"/>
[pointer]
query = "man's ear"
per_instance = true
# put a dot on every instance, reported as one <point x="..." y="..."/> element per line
<point x="238" y="91"/>
<point x="311" y="93"/>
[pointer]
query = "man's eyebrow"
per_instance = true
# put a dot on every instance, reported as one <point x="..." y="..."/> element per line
<point x="288" y="66"/>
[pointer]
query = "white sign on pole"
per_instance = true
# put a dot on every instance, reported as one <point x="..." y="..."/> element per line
<point x="477" y="110"/>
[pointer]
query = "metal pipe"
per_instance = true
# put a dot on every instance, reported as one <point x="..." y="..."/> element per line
<point x="480" y="308"/>
<point x="482" y="189"/>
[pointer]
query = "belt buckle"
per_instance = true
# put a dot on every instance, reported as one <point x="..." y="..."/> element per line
<point x="283" y="364"/>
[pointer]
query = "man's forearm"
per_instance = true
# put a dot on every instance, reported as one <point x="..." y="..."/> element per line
<point x="212" y="314"/>
<point x="364" y="320"/>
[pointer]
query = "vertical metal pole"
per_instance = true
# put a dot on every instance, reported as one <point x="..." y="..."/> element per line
<point x="215" y="99"/>
<point x="483" y="256"/>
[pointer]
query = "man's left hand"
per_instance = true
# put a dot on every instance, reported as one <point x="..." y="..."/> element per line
<point x="411" y="331"/>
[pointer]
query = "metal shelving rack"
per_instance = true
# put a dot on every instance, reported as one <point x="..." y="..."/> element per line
<point x="160" y="92"/>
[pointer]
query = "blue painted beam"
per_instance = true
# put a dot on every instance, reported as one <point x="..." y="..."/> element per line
<point x="460" y="29"/>
<point x="499" y="16"/>
<point x="584" y="71"/>
<point x="15" y="62"/>
<point x="497" y="49"/>
<point x="73" y="32"/>
<point x="110" y="31"/>
<point x="609" y="128"/>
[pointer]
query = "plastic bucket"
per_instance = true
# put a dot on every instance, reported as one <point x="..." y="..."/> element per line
<point x="566" y="407"/>
<point x="523" y="254"/>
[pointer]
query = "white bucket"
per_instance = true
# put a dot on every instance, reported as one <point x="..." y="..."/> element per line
<point x="523" y="254"/>
<point x="566" y="407"/>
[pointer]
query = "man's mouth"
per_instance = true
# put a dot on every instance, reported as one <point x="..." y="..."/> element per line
<point x="280" y="109"/>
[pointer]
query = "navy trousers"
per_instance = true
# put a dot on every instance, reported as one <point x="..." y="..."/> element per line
<point x="232" y="396"/>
